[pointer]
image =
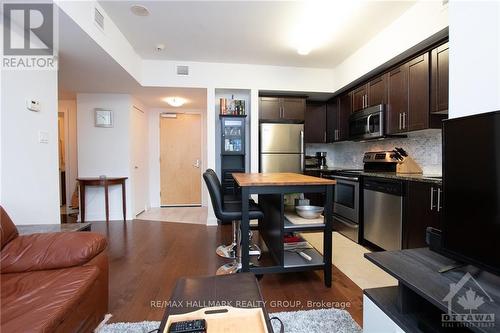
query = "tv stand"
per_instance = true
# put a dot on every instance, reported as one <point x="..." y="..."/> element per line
<point x="425" y="299"/>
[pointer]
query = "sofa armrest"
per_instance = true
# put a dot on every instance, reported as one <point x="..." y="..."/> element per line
<point x="50" y="251"/>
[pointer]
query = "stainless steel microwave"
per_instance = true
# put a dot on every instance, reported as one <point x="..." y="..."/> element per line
<point x="368" y="123"/>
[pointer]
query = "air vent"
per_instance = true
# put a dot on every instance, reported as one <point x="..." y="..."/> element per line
<point x="98" y="18"/>
<point x="183" y="70"/>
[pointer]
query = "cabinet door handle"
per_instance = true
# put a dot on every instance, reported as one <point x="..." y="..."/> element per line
<point x="324" y="137"/>
<point x="404" y="120"/>
<point x="400" y="120"/>
<point x="337" y="134"/>
<point x="439" y="200"/>
<point x="432" y="198"/>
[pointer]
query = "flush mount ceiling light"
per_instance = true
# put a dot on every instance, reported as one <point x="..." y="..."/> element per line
<point x="175" y="101"/>
<point x="318" y="22"/>
<point x="139" y="10"/>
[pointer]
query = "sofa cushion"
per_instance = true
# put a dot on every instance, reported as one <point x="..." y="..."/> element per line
<point x="50" y="251"/>
<point x="41" y="300"/>
<point x="8" y="230"/>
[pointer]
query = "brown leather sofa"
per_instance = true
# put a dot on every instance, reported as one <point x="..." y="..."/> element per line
<point x="52" y="282"/>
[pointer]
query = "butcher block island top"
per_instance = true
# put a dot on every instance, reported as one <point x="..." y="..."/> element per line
<point x="279" y="179"/>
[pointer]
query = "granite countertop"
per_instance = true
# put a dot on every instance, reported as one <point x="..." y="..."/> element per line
<point x="426" y="178"/>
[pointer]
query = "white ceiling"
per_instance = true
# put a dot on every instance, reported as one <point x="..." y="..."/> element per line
<point x="84" y="67"/>
<point x="251" y="32"/>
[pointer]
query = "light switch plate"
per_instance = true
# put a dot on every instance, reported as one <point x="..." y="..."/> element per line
<point x="33" y="105"/>
<point x="43" y="137"/>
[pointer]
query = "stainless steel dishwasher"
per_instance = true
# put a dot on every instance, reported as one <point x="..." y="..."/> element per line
<point x="383" y="212"/>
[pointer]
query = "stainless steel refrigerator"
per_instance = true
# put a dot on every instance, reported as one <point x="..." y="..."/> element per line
<point x="281" y="147"/>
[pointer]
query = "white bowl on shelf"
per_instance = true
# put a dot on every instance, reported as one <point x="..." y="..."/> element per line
<point x="309" y="212"/>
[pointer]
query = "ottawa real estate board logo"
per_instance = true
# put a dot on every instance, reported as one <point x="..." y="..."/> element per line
<point x="28" y="36"/>
<point x="467" y="305"/>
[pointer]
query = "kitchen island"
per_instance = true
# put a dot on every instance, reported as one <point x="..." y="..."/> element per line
<point x="271" y="188"/>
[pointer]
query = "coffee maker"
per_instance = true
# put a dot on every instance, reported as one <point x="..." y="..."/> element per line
<point x="321" y="157"/>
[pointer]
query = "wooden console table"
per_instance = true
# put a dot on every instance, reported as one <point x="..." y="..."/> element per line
<point x="105" y="182"/>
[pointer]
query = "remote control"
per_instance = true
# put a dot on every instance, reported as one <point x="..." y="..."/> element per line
<point x="188" y="326"/>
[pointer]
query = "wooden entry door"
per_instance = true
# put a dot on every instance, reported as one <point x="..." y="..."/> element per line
<point x="180" y="160"/>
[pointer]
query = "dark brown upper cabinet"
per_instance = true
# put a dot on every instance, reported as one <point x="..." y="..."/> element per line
<point x="269" y="108"/>
<point x="359" y="98"/>
<point x="315" y="123"/>
<point x="345" y="110"/>
<point x="337" y="117"/>
<point x="397" y="99"/>
<point x="439" y="79"/>
<point x="377" y="90"/>
<point x="417" y="117"/>
<point x="408" y="96"/>
<point x="282" y="108"/>
<point x="369" y="94"/>
<point x="332" y="120"/>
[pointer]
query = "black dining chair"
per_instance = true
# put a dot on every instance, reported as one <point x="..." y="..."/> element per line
<point x="229" y="212"/>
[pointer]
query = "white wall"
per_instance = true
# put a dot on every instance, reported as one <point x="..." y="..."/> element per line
<point x="474" y="57"/>
<point x="104" y="151"/>
<point x="29" y="173"/>
<point x="162" y="73"/>
<point x="68" y="107"/>
<point x="111" y="40"/>
<point x="419" y="22"/>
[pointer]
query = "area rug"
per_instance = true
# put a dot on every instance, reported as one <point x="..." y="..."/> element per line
<point x="310" y="321"/>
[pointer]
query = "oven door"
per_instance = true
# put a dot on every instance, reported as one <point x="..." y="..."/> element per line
<point x="346" y="198"/>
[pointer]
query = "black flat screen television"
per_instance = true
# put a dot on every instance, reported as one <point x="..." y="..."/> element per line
<point x="471" y="186"/>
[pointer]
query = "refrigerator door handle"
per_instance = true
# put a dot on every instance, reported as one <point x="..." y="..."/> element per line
<point x="302" y="151"/>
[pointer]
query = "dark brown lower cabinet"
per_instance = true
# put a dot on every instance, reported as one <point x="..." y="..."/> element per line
<point x="423" y="206"/>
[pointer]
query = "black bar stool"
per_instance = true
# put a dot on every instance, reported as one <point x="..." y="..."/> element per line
<point x="228" y="212"/>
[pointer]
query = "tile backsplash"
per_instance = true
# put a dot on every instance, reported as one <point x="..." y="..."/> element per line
<point x="423" y="146"/>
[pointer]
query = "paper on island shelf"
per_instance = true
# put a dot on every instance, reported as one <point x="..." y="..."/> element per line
<point x="297" y="245"/>
<point x="293" y="218"/>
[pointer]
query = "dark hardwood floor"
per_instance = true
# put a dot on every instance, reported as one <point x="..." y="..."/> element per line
<point x="147" y="257"/>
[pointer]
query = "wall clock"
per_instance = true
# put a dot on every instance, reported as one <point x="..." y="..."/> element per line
<point x="103" y="118"/>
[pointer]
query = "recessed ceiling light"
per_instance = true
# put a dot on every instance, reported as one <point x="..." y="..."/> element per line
<point x="139" y="10"/>
<point x="319" y="22"/>
<point x="175" y="101"/>
<point x="160" y="47"/>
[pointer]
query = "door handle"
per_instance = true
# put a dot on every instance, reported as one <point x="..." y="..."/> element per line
<point x="404" y="120"/>
<point x="197" y="164"/>
<point x="346" y="223"/>
<point x="324" y="137"/>
<point x="432" y="198"/>
<point x="400" y="117"/>
<point x="302" y="151"/>
<point x="439" y="200"/>
<point x="368" y="124"/>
